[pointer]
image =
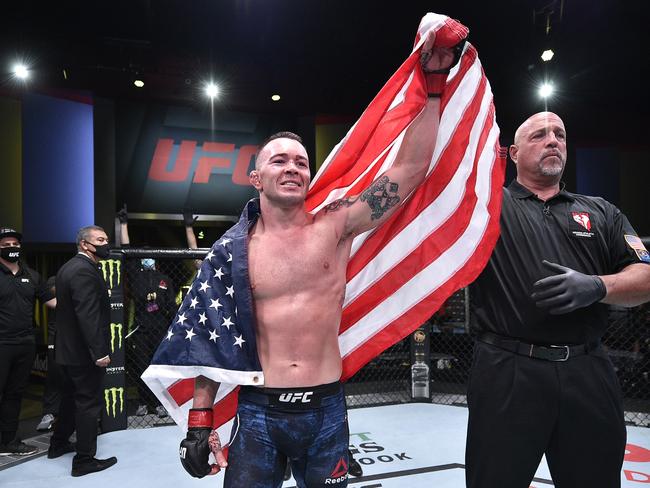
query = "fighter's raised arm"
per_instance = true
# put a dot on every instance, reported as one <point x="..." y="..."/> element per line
<point x="377" y="202"/>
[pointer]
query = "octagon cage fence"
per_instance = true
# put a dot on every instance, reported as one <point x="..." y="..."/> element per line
<point x="391" y="377"/>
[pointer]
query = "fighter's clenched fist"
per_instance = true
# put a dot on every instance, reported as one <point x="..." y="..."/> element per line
<point x="201" y="439"/>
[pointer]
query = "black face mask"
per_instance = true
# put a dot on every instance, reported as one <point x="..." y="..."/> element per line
<point x="10" y="254"/>
<point x="102" y="251"/>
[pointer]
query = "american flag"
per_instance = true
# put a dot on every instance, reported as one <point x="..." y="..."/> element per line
<point x="440" y="239"/>
<point x="399" y="274"/>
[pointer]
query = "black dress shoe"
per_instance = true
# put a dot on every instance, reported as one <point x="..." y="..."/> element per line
<point x="354" y="468"/>
<point x="56" y="451"/>
<point x="92" y="466"/>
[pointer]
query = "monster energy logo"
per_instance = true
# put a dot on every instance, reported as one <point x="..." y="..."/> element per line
<point x="112" y="271"/>
<point x="116" y="329"/>
<point x="110" y="400"/>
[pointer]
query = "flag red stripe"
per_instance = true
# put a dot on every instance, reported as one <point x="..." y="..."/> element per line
<point x="415" y="316"/>
<point x="182" y="391"/>
<point x="225" y="409"/>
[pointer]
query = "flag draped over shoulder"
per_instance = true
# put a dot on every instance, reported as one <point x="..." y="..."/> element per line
<point x="213" y="332"/>
<point x="398" y="275"/>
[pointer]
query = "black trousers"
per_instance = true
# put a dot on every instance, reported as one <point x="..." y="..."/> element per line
<point x="15" y="365"/>
<point x="81" y="405"/>
<point x="521" y="408"/>
<point x="53" y="384"/>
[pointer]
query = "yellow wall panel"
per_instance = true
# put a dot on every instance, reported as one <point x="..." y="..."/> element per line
<point x="10" y="163"/>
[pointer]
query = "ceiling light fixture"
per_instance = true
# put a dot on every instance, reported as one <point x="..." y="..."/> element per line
<point x="212" y="90"/>
<point x="546" y="90"/>
<point x="21" y="71"/>
<point x="138" y="83"/>
<point x="275" y="98"/>
<point x="547" y="55"/>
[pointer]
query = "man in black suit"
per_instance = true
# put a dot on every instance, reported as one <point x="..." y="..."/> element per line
<point x="82" y="349"/>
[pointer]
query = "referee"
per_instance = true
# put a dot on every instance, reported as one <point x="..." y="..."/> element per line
<point x="541" y="382"/>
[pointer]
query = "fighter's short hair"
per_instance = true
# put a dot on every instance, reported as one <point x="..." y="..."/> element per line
<point x="278" y="135"/>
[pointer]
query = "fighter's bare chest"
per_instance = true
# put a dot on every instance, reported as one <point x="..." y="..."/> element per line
<point x="291" y="260"/>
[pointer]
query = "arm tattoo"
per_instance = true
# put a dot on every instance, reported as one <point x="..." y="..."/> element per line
<point x="341" y="202"/>
<point x="381" y="196"/>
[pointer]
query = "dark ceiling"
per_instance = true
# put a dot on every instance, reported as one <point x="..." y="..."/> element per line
<point x="332" y="56"/>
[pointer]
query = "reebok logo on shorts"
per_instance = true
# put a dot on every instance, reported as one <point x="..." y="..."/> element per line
<point x="339" y="474"/>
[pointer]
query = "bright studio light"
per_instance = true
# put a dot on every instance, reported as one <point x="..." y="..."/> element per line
<point x="546" y="90"/>
<point x="547" y="55"/>
<point x="275" y="98"/>
<point x="212" y="90"/>
<point x="138" y="83"/>
<point x="21" y="71"/>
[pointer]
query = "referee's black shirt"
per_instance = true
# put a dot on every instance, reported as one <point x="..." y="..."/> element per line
<point x="17" y="295"/>
<point x="584" y="233"/>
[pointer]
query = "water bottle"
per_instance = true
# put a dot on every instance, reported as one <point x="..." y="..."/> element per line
<point x="419" y="377"/>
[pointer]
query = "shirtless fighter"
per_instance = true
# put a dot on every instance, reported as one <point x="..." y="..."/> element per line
<point x="297" y="265"/>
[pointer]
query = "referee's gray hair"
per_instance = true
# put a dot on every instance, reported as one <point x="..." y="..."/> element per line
<point x="84" y="232"/>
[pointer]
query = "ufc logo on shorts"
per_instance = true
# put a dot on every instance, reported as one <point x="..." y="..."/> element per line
<point x="182" y="452"/>
<point x="302" y="397"/>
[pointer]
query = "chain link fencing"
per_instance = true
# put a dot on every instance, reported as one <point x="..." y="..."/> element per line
<point x="152" y="297"/>
<point x="155" y="283"/>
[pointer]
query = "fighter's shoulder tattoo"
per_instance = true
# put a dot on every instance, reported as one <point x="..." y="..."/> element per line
<point x="381" y="196"/>
<point x="340" y="203"/>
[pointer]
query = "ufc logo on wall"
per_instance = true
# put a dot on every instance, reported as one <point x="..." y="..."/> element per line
<point x="178" y="161"/>
<point x="302" y="397"/>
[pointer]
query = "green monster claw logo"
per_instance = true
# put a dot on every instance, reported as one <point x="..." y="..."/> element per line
<point x="116" y="329"/>
<point x="112" y="271"/>
<point x="110" y="400"/>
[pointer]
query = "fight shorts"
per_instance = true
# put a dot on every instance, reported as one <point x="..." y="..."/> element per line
<point x="307" y="427"/>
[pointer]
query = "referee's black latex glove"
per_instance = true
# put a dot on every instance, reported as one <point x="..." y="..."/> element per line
<point x="568" y="290"/>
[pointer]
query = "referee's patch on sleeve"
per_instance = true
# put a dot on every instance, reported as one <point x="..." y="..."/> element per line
<point x="637" y="245"/>
<point x="643" y="255"/>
